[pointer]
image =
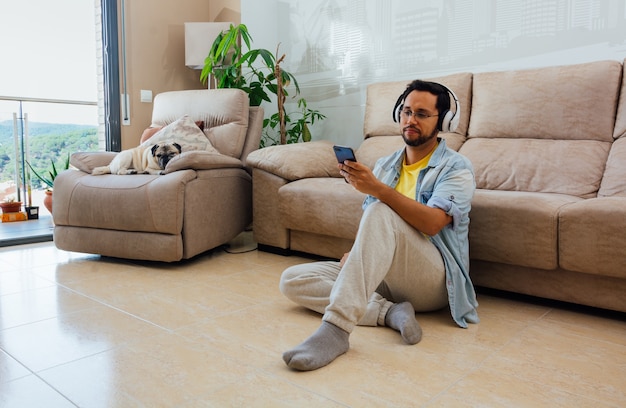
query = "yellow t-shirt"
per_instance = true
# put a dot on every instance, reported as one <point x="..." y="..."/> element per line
<point x="408" y="176"/>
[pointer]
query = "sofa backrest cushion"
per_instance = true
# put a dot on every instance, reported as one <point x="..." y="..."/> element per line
<point x="224" y="112"/>
<point x="575" y="102"/>
<point x="614" y="180"/>
<point x="382" y="96"/>
<point x="543" y="130"/>
<point x="373" y="148"/>
<point x="535" y="165"/>
<point x="620" y="120"/>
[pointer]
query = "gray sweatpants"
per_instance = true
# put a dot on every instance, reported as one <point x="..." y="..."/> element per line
<point x="390" y="262"/>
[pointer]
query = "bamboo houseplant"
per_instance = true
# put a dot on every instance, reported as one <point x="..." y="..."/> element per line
<point x="258" y="72"/>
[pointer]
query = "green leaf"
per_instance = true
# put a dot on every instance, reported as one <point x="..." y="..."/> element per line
<point x="234" y="64"/>
<point x="268" y="57"/>
<point x="306" y="133"/>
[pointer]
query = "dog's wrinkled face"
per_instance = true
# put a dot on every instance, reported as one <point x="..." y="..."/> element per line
<point x="165" y="152"/>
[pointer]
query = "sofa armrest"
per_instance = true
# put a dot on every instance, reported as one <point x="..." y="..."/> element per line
<point x="87" y="161"/>
<point x="201" y="160"/>
<point x="297" y="161"/>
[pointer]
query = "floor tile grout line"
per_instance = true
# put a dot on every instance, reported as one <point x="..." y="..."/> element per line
<point x="91" y="298"/>
<point x="36" y="375"/>
<point x="103" y="303"/>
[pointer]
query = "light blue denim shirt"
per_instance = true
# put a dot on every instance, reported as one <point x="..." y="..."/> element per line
<point x="446" y="183"/>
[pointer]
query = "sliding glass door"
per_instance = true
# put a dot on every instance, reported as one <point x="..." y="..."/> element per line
<point x="51" y="91"/>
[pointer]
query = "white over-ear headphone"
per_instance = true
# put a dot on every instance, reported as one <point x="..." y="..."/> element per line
<point x="448" y="121"/>
<point x="451" y="120"/>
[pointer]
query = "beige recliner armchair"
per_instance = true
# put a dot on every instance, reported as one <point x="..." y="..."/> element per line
<point x="203" y="200"/>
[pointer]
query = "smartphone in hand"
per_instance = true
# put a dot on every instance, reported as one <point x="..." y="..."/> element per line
<point x="344" y="153"/>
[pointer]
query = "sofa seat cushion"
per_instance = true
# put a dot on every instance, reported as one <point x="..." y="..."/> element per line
<point x="516" y="228"/>
<point x="115" y="201"/>
<point x="572" y="167"/>
<point x="592" y="238"/>
<point x="325" y="206"/>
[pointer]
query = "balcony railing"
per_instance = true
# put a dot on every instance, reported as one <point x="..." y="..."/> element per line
<point x="42" y="131"/>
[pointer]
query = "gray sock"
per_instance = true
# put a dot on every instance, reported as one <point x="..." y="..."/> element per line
<point x="324" y="346"/>
<point x="401" y="317"/>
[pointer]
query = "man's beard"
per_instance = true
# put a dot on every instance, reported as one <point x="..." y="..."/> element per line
<point x="421" y="139"/>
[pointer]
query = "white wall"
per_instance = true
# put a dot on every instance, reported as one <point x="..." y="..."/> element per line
<point x="335" y="48"/>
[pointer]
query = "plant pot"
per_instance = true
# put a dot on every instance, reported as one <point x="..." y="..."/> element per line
<point x="32" y="212"/>
<point x="11" y="207"/>
<point x="47" y="201"/>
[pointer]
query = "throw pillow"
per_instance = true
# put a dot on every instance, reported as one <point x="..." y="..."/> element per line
<point x="149" y="132"/>
<point x="185" y="132"/>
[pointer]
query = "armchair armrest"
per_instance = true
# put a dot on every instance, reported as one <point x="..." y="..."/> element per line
<point x="87" y="161"/>
<point x="297" y="161"/>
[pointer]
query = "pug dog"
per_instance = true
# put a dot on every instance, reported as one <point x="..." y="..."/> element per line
<point x="141" y="160"/>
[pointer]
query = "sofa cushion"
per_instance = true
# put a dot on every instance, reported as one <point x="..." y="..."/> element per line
<point x="225" y="114"/>
<point x="151" y="131"/>
<point x="201" y="160"/>
<point x="374" y="148"/>
<point x="559" y="146"/>
<point x="575" y="102"/>
<point x="620" y="120"/>
<point x="614" y="180"/>
<point x="183" y="131"/>
<point x="297" y="160"/>
<point x="325" y="206"/>
<point x="544" y="166"/>
<point x="379" y="122"/>
<point x="516" y="228"/>
<point x="592" y="238"/>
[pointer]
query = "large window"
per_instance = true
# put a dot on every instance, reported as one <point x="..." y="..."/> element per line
<point x="52" y="86"/>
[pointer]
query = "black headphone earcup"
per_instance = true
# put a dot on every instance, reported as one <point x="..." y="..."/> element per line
<point x="397" y="112"/>
<point x="452" y="119"/>
<point x="441" y="121"/>
<point x="445" y="121"/>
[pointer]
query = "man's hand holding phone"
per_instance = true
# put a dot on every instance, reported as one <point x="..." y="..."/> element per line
<point x="356" y="174"/>
<point x="343" y="153"/>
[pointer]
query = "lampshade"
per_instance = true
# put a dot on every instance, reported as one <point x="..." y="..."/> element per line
<point x="198" y="40"/>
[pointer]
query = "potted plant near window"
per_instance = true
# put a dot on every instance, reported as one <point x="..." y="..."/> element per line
<point x="10" y="205"/>
<point x="48" y="178"/>
<point x="259" y="74"/>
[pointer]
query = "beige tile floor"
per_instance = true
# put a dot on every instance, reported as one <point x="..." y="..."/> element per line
<point x="80" y="330"/>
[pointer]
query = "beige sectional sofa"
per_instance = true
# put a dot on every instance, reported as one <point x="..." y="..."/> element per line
<point x="548" y="147"/>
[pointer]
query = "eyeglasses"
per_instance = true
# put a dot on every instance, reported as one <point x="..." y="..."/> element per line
<point x="417" y="115"/>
